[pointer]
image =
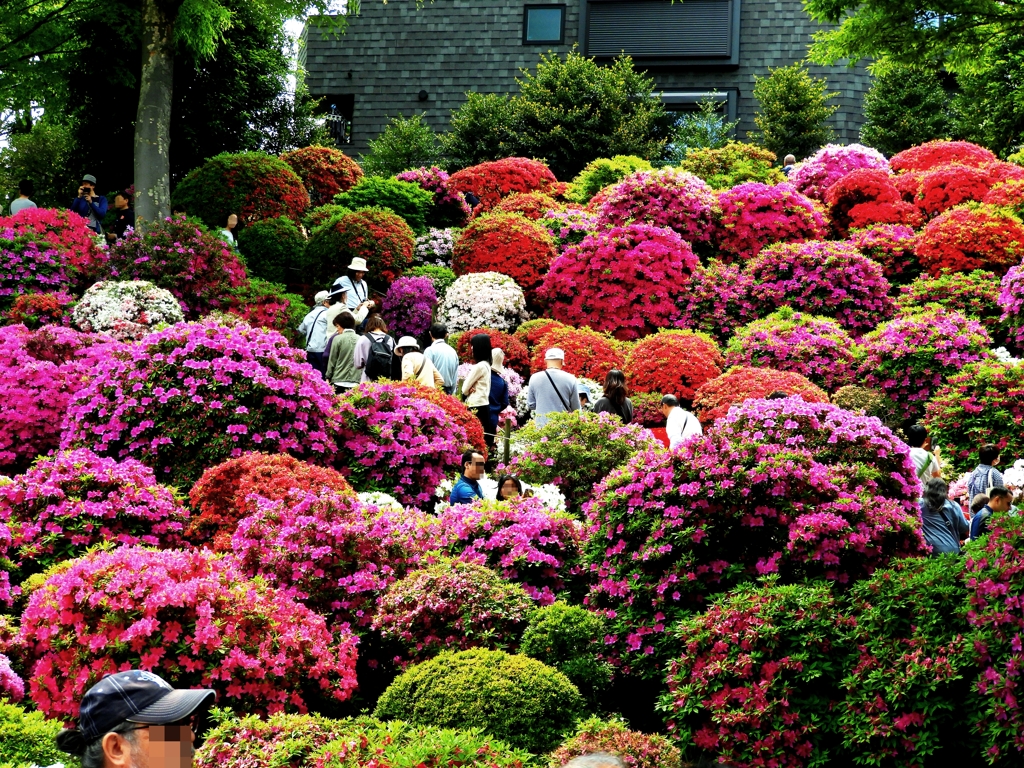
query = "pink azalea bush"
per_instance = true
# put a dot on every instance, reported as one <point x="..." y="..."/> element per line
<point x="628" y="280"/>
<point x="409" y="306"/>
<point x="717" y="300"/>
<point x="825" y="167"/>
<point x="755" y="215"/>
<point x="190" y="396"/>
<point x="892" y="246"/>
<point x="190" y="616"/>
<point x="1011" y="300"/>
<point x="11" y="685"/>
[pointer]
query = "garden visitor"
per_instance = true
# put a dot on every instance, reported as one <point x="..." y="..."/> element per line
<point x="999" y="500"/>
<point x="680" y="424"/>
<point x="596" y="760"/>
<point x="228" y="233"/>
<point x="985" y="475"/>
<point x="508" y="488"/>
<point x="375" y="352"/>
<point x="477" y="386"/>
<point x="467" y="488"/>
<point x="920" y="442"/>
<point x="444" y="358"/>
<point x="354" y="285"/>
<point x="339" y="303"/>
<point x="498" y="397"/>
<point x="584" y="392"/>
<point x="942" y="521"/>
<point x="314" y="328"/>
<point x="341" y="366"/>
<point x="415" y="366"/>
<point x="616" y="397"/>
<point x="89" y="204"/>
<point x="977" y="503"/>
<point x="133" y="719"/>
<point x="125" y="218"/>
<point x="25" y="191"/>
<point x="552" y="390"/>
<point x="788" y="163"/>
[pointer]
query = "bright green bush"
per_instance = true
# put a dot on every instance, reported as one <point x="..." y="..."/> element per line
<point x="316" y="217"/>
<point x="870" y="402"/>
<point x="516" y="699"/>
<point x="270" y="247"/>
<point x="27" y="738"/>
<point x="405" y="142"/>
<point x="442" y="277"/>
<point x="733" y="164"/>
<point x="793" y="111"/>
<point x="569" y="638"/>
<point x="602" y="172"/>
<point x="408" y="200"/>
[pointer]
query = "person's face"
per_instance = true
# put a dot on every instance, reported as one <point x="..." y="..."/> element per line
<point x="666" y="410"/>
<point x="358" y="275"/>
<point x="154" y="746"/>
<point x="87" y="187"/>
<point x="509" y="489"/>
<point x="1001" y="504"/>
<point x="584" y="401"/>
<point x="474" y="470"/>
<point x="232" y="221"/>
<point x="120" y="203"/>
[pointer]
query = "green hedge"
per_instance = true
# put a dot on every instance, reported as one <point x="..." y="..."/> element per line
<point x="271" y="247"/>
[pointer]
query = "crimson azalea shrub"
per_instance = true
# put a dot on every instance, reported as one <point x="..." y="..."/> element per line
<point x="822" y="278"/>
<point x="829" y="164"/>
<point x="1007" y="194"/>
<point x="755" y="215"/>
<point x="450" y="209"/>
<point x="637" y="750"/>
<point x="189" y="397"/>
<point x="507" y="243"/>
<point x="603" y="172"/>
<point x="457" y="412"/>
<point x="569" y="638"/>
<point x="532" y="331"/>
<point x="452" y="604"/>
<point x="972" y="294"/>
<point x="517" y="355"/>
<point x="531" y="205"/>
<point x="34" y="310"/>
<point x="892" y="246"/>
<point x="588" y="354"/>
<point x="716" y="301"/>
<point x="375" y="234"/>
<point x="271" y="247"/>
<point x="946" y="186"/>
<point x="62" y="231"/>
<point x="868" y="197"/>
<point x="647" y="409"/>
<point x="263" y="304"/>
<point x="932" y="154"/>
<point x="220" y="498"/>
<point x="668" y="198"/>
<point x="814" y="347"/>
<point x="409" y="306"/>
<point x="497" y="179"/>
<point x="673" y="363"/>
<point x="757" y="677"/>
<point x="324" y="171"/>
<point x="740" y="383"/>
<point x="971" y="237"/>
<point x="192" y="617"/>
<point x="804" y="490"/>
<point x="403" y="198"/>
<point x="252" y="185"/>
<point x="627" y="280"/>
<point x="393" y="440"/>
<point x="735" y="163"/>
<point x="909" y="357"/>
<point x="513" y="698"/>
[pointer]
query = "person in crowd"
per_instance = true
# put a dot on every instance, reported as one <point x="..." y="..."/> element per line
<point x="477" y="386"/>
<point x="89" y="204"/>
<point x="680" y="424"/>
<point x="135" y="718"/>
<point x="942" y="521"/>
<point x="498" y="398"/>
<point x="25" y="191"/>
<point x="124" y="219"/>
<point x="596" y="760"/>
<point x="552" y="390"/>
<point x="355" y="287"/>
<point x="509" y="487"/>
<point x="471" y="200"/>
<point x="415" y="365"/>
<point x="778" y="394"/>
<point x="920" y="442"/>
<point x="999" y="500"/>
<point x="444" y="358"/>
<point x="616" y="397"/>
<point x="229" y="233"/>
<point x="375" y="352"/>
<point x="342" y="373"/>
<point x="985" y="475"/>
<point x="977" y="503"/>
<point x="584" y="392"/>
<point x="314" y="330"/>
<point x="467" y="488"/>
<point x="339" y="303"/>
<point x="788" y="163"/>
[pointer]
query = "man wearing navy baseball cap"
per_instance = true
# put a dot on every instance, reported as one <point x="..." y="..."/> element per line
<point x="135" y="719"/>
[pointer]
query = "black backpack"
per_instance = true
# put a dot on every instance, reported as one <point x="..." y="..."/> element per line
<point x="378" y="362"/>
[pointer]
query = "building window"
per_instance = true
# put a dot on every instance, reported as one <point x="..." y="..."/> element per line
<point x="544" y="25"/>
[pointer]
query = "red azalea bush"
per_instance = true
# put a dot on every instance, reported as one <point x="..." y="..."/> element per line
<point x="496" y="179"/>
<point x="34" y="310"/>
<point x="717" y="300"/>
<point x="755" y="215"/>
<point x="932" y="154"/>
<point x="220" y="498"/>
<point x="457" y="412"/>
<point x="532" y="205"/>
<point x="507" y="243"/>
<point x="516" y="354"/>
<point x="374" y="234"/>
<point x="822" y="278"/>
<point x="533" y="331"/>
<point x="627" y="281"/>
<point x="450" y="207"/>
<point x="971" y="237"/>
<point x="946" y="186"/>
<point x="891" y="245"/>
<point x="263" y="304"/>
<point x="739" y="384"/>
<point x="587" y="353"/>
<point x="62" y="231"/>
<point x="324" y="171"/>
<point x="868" y="197"/>
<point x="1007" y="194"/>
<point x="972" y="294"/>
<point x="190" y="616"/>
<point x="673" y="363"/>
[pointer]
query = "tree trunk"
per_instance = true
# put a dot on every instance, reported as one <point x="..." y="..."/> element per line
<point x="153" y="124"/>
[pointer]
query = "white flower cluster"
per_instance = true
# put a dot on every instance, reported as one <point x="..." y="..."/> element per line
<point x="1003" y="355"/>
<point x="382" y="500"/>
<point x="434" y="249"/>
<point x="1014" y="476"/>
<point x="126" y="310"/>
<point x="483" y="300"/>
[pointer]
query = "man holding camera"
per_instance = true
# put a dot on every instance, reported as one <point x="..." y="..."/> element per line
<point x="89" y="204"/>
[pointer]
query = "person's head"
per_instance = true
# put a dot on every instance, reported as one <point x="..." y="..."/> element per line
<point x="979" y="501"/>
<point x="668" y="402"/>
<point x="407" y="344"/>
<point x="135" y="719"/>
<point x="554" y="358"/>
<point x="999" y="499"/>
<point x="358" y="269"/>
<point x="584" y="392"/>
<point x="26" y="188"/>
<point x="917" y="435"/>
<point x="615" y="386"/>
<point x="122" y="200"/>
<point x="344" y="321"/>
<point x="989" y="454"/>
<point x="936" y="491"/>
<point x="376" y="324"/>
<point x="778" y="394"/>
<point x="232" y="221"/>
<point x="322" y="299"/>
<point x="596" y="760"/>
<point x="338" y="295"/>
<point x="509" y="487"/>
<point x="481" y="344"/>
<point x="89" y="183"/>
<point x="473" y="464"/>
<point x="438" y="331"/>
<point x="790" y="160"/>
<point x="498" y="360"/>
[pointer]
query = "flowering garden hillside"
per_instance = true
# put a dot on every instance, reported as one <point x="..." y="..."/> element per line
<point x="182" y="492"/>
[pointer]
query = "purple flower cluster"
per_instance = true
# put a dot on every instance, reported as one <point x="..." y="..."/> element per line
<point x="450" y="208"/>
<point x="570" y="226"/>
<point x="409" y="306"/>
<point x="11" y="685"/>
<point x="717" y="300"/>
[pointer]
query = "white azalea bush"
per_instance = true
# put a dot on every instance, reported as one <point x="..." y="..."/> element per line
<point x="126" y="309"/>
<point x="434" y="249"/>
<point x="483" y="300"/>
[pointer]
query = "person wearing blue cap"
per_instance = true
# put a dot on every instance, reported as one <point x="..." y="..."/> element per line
<point x="136" y="718"/>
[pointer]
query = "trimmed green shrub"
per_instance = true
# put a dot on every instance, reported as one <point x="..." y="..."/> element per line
<point x="733" y="164"/>
<point x="27" y="738"/>
<point x="410" y="201"/>
<point x="569" y="638"/>
<point x="280" y="740"/>
<point x="637" y="750"/>
<point x="317" y="217"/>
<point x="376" y="234"/>
<point x="870" y="402"/>
<point x="270" y="247"/>
<point x="793" y="111"/>
<point x="516" y="699"/>
<point x="703" y="128"/>
<point x="602" y="172"/>
<point x="442" y="277"/>
<point x="405" y="142"/>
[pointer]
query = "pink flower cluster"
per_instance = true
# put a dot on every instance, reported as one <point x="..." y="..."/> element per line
<point x="716" y="300"/>
<point x="1011" y="300"/>
<point x="892" y="246"/>
<point x="755" y="215"/>
<point x="825" y="167"/>
<point x="11" y="684"/>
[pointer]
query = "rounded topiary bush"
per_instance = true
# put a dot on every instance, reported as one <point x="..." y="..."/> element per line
<point x="507" y="243"/>
<point x="972" y="294"/>
<point x="267" y="305"/>
<point x="740" y="383"/>
<point x="325" y="171"/>
<point x="28" y="737"/>
<point x="403" y="198"/>
<point x="252" y="185"/>
<point x="570" y="639"/>
<point x="931" y="154"/>
<point x="450" y="208"/>
<point x="673" y="363"/>
<point x="971" y="237"/>
<point x="435" y="248"/>
<point x="317" y="217"/>
<point x="189" y="397"/>
<point x="377" y="235"/>
<point x="125" y="309"/>
<point x="868" y="197"/>
<point x="946" y="186"/>
<point x="717" y="300"/>
<point x="34" y="310"/>
<point x="496" y="179"/>
<point x="531" y="205"/>
<point x="755" y="215"/>
<point x="892" y="246"/>
<point x="409" y="305"/>
<point x="869" y="402"/>
<point x="602" y="173"/>
<point x="588" y="354"/>
<point x="636" y="749"/>
<point x="829" y="164"/>
<point x="441" y="277"/>
<point x="281" y="739"/>
<point x="483" y="300"/>
<point x="735" y="163"/>
<point x="514" y="698"/>
<point x="532" y="331"/>
<point x="272" y="247"/>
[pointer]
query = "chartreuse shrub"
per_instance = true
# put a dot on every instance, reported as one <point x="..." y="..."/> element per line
<point x="637" y="750"/>
<point x="569" y="638"/>
<point x="28" y="738"/>
<point x="972" y="294"/>
<point x="516" y="699"/>
<point x="441" y="277"/>
<point x="735" y="163"/>
<point x="405" y="198"/>
<point x="280" y="740"/>
<point x="603" y="172"/>
<point x="320" y="215"/>
<point x="271" y="247"/>
<point x="869" y="402"/>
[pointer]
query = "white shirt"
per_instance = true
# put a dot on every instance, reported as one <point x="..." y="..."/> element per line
<point x="356" y="292"/>
<point x="925" y="464"/>
<point x="681" y="426"/>
<point x="477" y="386"/>
<point x="314" y="329"/>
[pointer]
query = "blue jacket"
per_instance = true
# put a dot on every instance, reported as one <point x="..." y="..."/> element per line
<point x="465" y="491"/>
<point x="83" y="207"/>
<point x="979" y="523"/>
<point x="499" y="397"/>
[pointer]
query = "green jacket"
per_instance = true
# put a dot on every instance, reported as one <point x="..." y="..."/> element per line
<point x="341" y="367"/>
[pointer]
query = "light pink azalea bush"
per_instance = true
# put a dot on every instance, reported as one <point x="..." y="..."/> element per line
<point x="11" y="685"/>
<point x="825" y="167"/>
<point x="755" y="215"/>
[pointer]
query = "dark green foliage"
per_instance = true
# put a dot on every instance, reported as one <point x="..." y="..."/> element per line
<point x="378" y="235"/>
<point x="484" y="128"/>
<point x="706" y="128"/>
<point x="569" y="638"/>
<point x="989" y="107"/>
<point x="793" y="112"/>
<point x="271" y="247"/>
<point x="27" y="738"/>
<point x="405" y="143"/>
<point x="442" y="277"/>
<point x="45" y="155"/>
<point x="905" y="106"/>
<point x="318" y="216"/>
<point x="408" y="200"/>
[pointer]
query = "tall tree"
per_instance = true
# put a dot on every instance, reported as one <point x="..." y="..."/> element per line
<point x="793" y="111"/>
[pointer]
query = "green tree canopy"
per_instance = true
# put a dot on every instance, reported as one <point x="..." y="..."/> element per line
<point x="793" y="111"/>
<point x="905" y="106"/>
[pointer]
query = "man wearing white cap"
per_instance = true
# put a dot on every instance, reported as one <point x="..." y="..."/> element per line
<point x="552" y="390"/>
<point x="356" y="290"/>
<point x="313" y="330"/>
<point x="415" y="366"/>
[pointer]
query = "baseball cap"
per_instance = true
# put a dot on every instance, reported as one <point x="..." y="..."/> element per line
<point x="321" y="297"/>
<point x="90" y="178"/>
<point x="554" y="354"/>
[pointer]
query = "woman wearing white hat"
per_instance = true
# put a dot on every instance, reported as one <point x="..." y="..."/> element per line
<point x="356" y="290"/>
<point x="415" y="366"/>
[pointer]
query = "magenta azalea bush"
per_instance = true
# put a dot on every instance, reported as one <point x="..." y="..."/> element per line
<point x="825" y="167"/>
<point x="802" y="490"/>
<point x="190" y="616"/>
<point x="627" y="281"/>
<point x="892" y="246"/>
<point x="822" y="278"/>
<point x="450" y="208"/>
<point x="409" y="306"/>
<point x="570" y="226"/>
<point x="189" y="397"/>
<point x="717" y="300"/>
<point x="755" y="215"/>
<point x="12" y="686"/>
<point x="1011" y="300"/>
<point x="391" y="439"/>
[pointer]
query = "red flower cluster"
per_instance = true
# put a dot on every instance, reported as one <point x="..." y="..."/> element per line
<point x="517" y="356"/>
<point x="325" y="171"/>
<point x="37" y="309"/>
<point x="716" y="397"/>
<point x="971" y="237"/>
<point x="532" y="331"/>
<point x="892" y="246"/>
<point x="932" y="154"/>
<point x="947" y="186"/>
<point x="1008" y="194"/>
<point x="587" y="353"/>
<point x="494" y="180"/>
<point x="375" y="234"/>
<point x="673" y="363"/>
<point x="755" y="215"/>
<point x="532" y="205"/>
<point x="866" y="197"/>
<point x="507" y="243"/>
<point x="457" y="412"/>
